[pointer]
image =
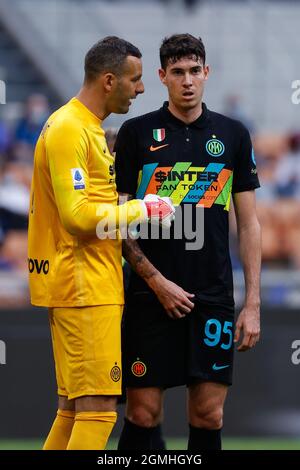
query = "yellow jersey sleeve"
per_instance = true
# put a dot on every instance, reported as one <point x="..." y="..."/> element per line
<point x="67" y="152"/>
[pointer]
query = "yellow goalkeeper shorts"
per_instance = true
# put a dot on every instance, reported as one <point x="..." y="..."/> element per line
<point x="87" y="350"/>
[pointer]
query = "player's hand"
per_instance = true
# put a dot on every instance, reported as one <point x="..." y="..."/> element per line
<point x="160" y="210"/>
<point x="247" y="326"/>
<point x="175" y="300"/>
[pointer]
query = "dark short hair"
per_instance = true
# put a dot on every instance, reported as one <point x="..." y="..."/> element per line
<point x="181" y="45"/>
<point x="108" y="55"/>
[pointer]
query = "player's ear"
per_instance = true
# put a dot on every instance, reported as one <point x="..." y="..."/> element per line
<point x="162" y="75"/>
<point x="108" y="81"/>
<point x="206" y="72"/>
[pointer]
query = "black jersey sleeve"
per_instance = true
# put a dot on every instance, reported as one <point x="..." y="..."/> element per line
<point x="126" y="162"/>
<point x="245" y="172"/>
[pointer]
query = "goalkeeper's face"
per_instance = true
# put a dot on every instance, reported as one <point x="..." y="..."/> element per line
<point x="127" y="86"/>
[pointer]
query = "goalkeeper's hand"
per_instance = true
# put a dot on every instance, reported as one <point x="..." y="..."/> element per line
<point x="160" y="210"/>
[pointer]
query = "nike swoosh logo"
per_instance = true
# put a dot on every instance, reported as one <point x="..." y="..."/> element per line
<point x="153" y="149"/>
<point x="215" y="367"/>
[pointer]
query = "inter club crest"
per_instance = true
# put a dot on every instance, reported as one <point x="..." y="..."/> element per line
<point x="138" y="368"/>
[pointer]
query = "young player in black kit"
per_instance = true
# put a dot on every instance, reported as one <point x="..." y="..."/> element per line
<point x="179" y="318"/>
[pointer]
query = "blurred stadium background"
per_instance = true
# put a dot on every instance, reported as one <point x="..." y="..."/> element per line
<point x="253" y="49"/>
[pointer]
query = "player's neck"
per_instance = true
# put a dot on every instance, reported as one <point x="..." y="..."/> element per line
<point x="187" y="116"/>
<point x="87" y="97"/>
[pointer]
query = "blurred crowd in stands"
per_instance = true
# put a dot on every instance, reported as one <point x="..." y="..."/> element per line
<point x="17" y="143"/>
<point x="278" y="199"/>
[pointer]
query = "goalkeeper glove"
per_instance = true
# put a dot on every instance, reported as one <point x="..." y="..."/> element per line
<point x="160" y="210"/>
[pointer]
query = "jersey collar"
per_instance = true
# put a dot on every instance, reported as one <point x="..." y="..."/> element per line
<point x="87" y="112"/>
<point x="172" y="122"/>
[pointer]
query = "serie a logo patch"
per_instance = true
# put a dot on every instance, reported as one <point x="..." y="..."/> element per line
<point x="138" y="368"/>
<point x="78" y="178"/>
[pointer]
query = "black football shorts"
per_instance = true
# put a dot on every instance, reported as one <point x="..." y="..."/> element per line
<point x="161" y="352"/>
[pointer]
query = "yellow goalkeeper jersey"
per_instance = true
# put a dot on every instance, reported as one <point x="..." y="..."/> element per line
<point x="73" y="189"/>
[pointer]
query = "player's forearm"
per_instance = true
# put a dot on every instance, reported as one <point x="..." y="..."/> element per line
<point x="139" y="262"/>
<point x="135" y="256"/>
<point x="250" y="252"/>
<point x="86" y="218"/>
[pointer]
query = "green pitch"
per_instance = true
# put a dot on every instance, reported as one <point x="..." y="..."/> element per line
<point x="180" y="444"/>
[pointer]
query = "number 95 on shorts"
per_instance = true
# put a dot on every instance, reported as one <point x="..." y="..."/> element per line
<point x="211" y="347"/>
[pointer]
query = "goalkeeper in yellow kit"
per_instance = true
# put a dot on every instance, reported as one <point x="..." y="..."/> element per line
<point x="72" y="271"/>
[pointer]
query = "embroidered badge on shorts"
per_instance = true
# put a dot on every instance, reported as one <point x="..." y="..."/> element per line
<point x="115" y="373"/>
<point x="138" y="368"/>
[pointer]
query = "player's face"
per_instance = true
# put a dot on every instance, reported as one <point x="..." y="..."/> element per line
<point x="128" y="86"/>
<point x="185" y="81"/>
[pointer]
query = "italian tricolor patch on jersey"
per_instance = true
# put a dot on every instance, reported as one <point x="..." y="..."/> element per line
<point x="159" y="134"/>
